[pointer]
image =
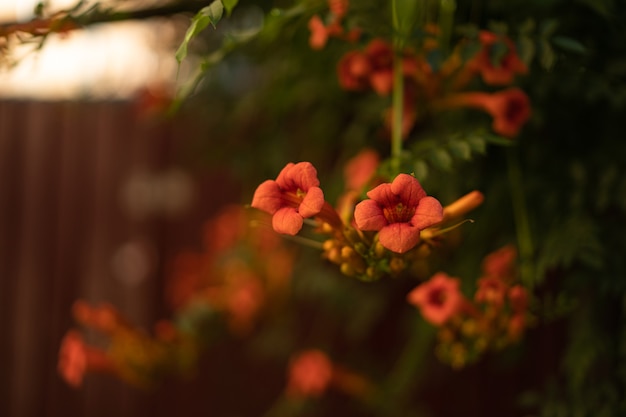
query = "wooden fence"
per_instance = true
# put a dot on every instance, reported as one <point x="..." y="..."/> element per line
<point x="92" y="205"/>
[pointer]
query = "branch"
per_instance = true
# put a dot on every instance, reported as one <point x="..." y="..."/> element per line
<point x="65" y="21"/>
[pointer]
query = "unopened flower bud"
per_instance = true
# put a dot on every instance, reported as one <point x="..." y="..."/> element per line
<point x="397" y="264"/>
<point x="458" y="355"/>
<point x="463" y="205"/>
<point x="372" y="273"/>
<point x="379" y="250"/>
<point x="329" y="244"/>
<point x="361" y="248"/>
<point x="326" y="228"/>
<point x="347" y="269"/>
<point x="334" y="255"/>
<point x="445" y="335"/>
<point x="469" y="328"/>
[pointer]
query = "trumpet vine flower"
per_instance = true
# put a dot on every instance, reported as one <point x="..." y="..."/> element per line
<point x="398" y="211"/>
<point x="510" y="109"/>
<point x="438" y="299"/>
<point x="294" y="195"/>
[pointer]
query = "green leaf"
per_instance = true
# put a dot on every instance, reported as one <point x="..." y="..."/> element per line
<point x="546" y="56"/>
<point x="499" y="140"/>
<point x="420" y="169"/>
<point x="477" y="144"/>
<point x="569" y="44"/>
<point x="229" y="5"/>
<point x="209" y="14"/>
<point x="548" y="27"/>
<point x="526" y="49"/>
<point x="405" y="15"/>
<point x="460" y="149"/>
<point x="441" y="159"/>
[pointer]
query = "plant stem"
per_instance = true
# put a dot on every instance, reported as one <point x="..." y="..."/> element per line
<point x="397" y="112"/>
<point x="522" y="224"/>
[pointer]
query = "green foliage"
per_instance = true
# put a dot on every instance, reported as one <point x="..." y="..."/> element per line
<point x="229" y="5"/>
<point x="210" y="14"/>
<point x="573" y="241"/>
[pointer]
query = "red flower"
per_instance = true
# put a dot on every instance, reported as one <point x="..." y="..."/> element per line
<point x="373" y="68"/>
<point x="380" y="57"/>
<point x="76" y="358"/>
<point x="353" y="71"/>
<point x="398" y="211"/>
<point x="103" y="317"/>
<point x="319" y="33"/>
<point x="294" y="196"/>
<point x="338" y="7"/>
<point x="501" y="263"/>
<point x="438" y="299"/>
<point x="510" y="109"/>
<point x="518" y="297"/>
<point x="360" y="169"/>
<point x="491" y="290"/>
<point x="497" y="71"/>
<point x="310" y="373"/>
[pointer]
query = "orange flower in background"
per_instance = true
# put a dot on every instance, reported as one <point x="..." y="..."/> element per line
<point x="103" y="317"/>
<point x="500" y="263"/>
<point x="517" y="325"/>
<point x="360" y="169"/>
<point x="310" y="374"/>
<point x="380" y="57"/>
<point x="398" y="211"/>
<point x="510" y="109"/>
<point x="518" y="298"/>
<point x="242" y="297"/>
<point x="339" y="7"/>
<point x="438" y="299"/>
<point x="319" y="33"/>
<point x="373" y="68"/>
<point x="76" y="359"/>
<point x="495" y="67"/>
<point x="491" y="291"/>
<point x="353" y="71"/>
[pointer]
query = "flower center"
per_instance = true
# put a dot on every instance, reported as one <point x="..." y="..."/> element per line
<point x="514" y="110"/>
<point x="436" y="297"/>
<point x="398" y="213"/>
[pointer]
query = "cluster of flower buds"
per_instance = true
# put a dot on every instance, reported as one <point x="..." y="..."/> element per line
<point x="387" y="233"/>
<point x="130" y="353"/>
<point x="495" y="318"/>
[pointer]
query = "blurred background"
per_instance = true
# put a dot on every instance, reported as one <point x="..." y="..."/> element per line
<point x="100" y="188"/>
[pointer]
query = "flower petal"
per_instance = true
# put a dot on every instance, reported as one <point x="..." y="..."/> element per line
<point x="383" y="195"/>
<point x="312" y="202"/>
<point x="427" y="213"/>
<point x="408" y="188"/>
<point x="267" y="197"/>
<point x="369" y="216"/>
<point x="287" y="221"/>
<point x="302" y="175"/>
<point x="399" y="237"/>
